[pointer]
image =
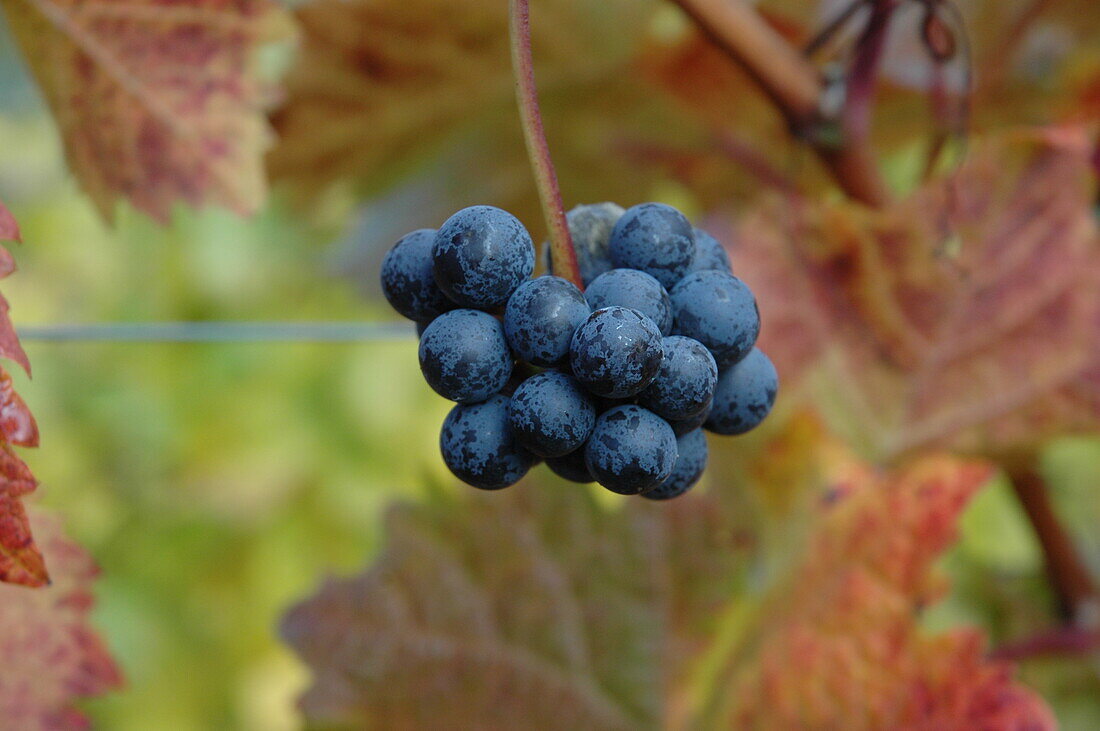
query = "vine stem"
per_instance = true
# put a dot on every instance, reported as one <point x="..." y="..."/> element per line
<point x="1061" y="641"/>
<point x="1071" y="580"/>
<point x="562" y="253"/>
<point x="794" y="86"/>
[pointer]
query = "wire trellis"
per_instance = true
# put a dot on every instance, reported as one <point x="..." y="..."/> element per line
<point x="217" y="332"/>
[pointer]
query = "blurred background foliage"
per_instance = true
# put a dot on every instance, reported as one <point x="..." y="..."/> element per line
<point x="213" y="484"/>
<point x="217" y="484"/>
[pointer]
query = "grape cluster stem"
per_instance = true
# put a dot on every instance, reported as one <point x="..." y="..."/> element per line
<point x="538" y="151"/>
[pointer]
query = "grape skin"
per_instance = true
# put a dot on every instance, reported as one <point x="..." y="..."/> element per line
<point x="571" y="467"/>
<point x="718" y="310"/>
<point x="464" y="356"/>
<point x="691" y="461"/>
<point x="744" y="396"/>
<point x="616" y="352"/>
<point x="680" y="428"/>
<point x="551" y="415"/>
<point x="631" y="450"/>
<point x="634" y="289"/>
<point x="408" y="283"/>
<point x="656" y="239"/>
<point x="541" y="317"/>
<point x="480" y="255"/>
<point x="709" y="254"/>
<point x="590" y="228"/>
<point x="479" y="447"/>
<point x="685" y="383"/>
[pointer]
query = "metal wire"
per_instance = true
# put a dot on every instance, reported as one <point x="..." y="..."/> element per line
<point x="217" y="332"/>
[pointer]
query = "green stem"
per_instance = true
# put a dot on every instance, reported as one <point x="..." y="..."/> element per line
<point x="562" y="252"/>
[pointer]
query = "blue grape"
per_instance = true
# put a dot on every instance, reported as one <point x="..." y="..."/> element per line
<point x="685" y="384"/>
<point x="590" y="227"/>
<point x="744" y="396"/>
<point x="656" y="239"/>
<point x="407" y="280"/>
<point x="480" y="255"/>
<point x="631" y="450"/>
<point x="634" y="289"/>
<point x="709" y="253"/>
<point x="479" y="447"/>
<point x="691" y="460"/>
<point x="603" y="403"/>
<point x="686" y="425"/>
<point x="616" y="352"/>
<point x="464" y="356"/>
<point x="571" y="467"/>
<point x="551" y="415"/>
<point x="541" y="317"/>
<point x="718" y="310"/>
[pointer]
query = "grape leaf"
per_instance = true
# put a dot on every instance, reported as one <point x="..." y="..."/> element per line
<point x="52" y="654"/>
<point x="378" y="82"/>
<point x="156" y="102"/>
<point x="384" y="90"/>
<point x="20" y="560"/>
<point x="542" y="607"/>
<point x="964" y="315"/>
<point x="837" y="645"/>
<point x="532" y="611"/>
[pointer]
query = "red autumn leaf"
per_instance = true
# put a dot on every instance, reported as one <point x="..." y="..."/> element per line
<point x="52" y="655"/>
<point x="156" y="102"/>
<point x="9" y="231"/>
<point x="540" y="608"/>
<point x="838" y="645"/>
<point x="964" y="315"/>
<point x="20" y="560"/>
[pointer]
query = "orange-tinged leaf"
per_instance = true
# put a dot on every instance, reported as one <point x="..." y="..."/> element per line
<point x="380" y="87"/>
<point x="964" y="315"/>
<point x="838" y="645"/>
<point x="538" y="607"/>
<point x="52" y="656"/>
<point x="385" y="89"/>
<point x="156" y="102"/>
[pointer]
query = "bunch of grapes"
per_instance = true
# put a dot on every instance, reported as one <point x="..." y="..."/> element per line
<point x="614" y="384"/>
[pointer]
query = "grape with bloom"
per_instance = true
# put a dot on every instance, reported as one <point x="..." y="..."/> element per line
<point x="613" y="385"/>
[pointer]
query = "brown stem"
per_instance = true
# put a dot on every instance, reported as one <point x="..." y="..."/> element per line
<point x="793" y="85"/>
<point x="998" y="62"/>
<point x="562" y="253"/>
<point x="1070" y="579"/>
<point x="1051" y="643"/>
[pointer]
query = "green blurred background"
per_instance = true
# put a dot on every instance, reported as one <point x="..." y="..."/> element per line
<point x="217" y="484"/>
<point x="213" y="484"/>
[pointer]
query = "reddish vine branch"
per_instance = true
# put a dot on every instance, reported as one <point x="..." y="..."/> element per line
<point x="1061" y="641"/>
<point x="1072" y="582"/>
<point x="794" y="86"/>
<point x="562" y="253"/>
